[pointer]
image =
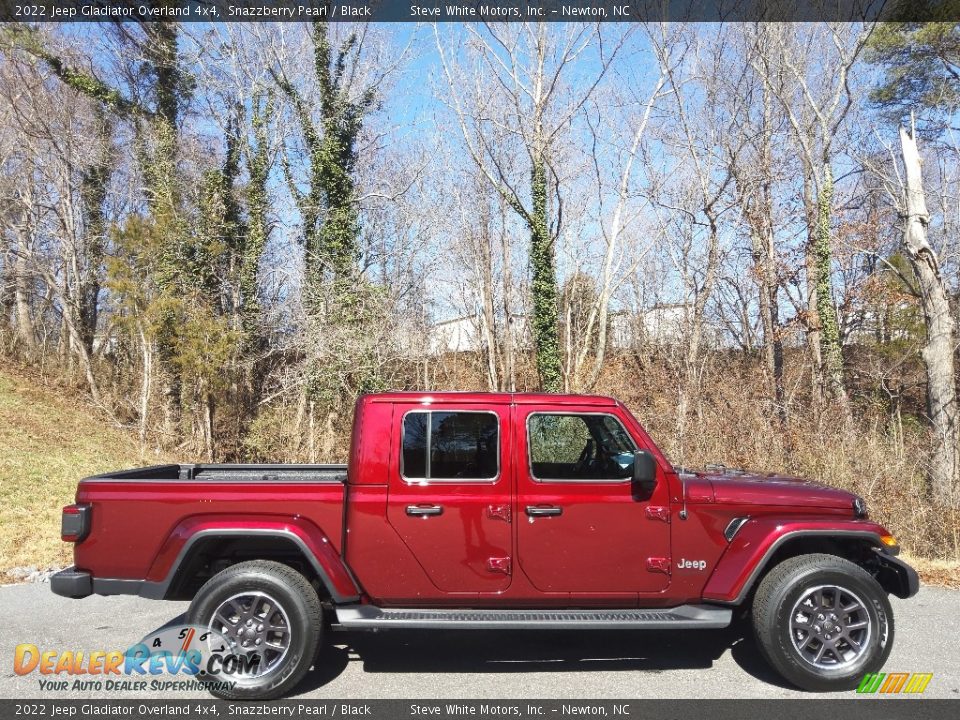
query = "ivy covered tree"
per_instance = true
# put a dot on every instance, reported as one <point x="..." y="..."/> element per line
<point x="258" y="218"/>
<point x="159" y="90"/>
<point x="543" y="291"/>
<point x="328" y="206"/>
<point x="830" y="344"/>
<point x="339" y="301"/>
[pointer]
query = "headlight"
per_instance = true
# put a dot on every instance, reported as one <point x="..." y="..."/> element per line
<point x="859" y="507"/>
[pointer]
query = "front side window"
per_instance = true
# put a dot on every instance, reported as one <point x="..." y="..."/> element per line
<point x="450" y="446"/>
<point x="579" y="447"/>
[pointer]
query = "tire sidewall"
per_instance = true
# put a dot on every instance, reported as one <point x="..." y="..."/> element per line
<point x="787" y="659"/>
<point x="302" y="629"/>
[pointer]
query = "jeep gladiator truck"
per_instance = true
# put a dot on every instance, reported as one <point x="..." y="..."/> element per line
<point x="500" y="511"/>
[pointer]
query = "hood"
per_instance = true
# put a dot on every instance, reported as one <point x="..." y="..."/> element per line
<point x="718" y="484"/>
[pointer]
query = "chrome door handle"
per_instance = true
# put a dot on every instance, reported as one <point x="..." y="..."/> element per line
<point x="536" y="511"/>
<point x="423" y="510"/>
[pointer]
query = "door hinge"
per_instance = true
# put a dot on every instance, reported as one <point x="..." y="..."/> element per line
<point x="499" y="564"/>
<point x="499" y="512"/>
<point x="658" y="512"/>
<point x="658" y="564"/>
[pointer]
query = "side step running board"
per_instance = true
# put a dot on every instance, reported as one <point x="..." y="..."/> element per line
<point x="680" y="618"/>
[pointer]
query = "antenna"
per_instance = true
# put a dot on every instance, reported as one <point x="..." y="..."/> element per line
<point x="683" y="492"/>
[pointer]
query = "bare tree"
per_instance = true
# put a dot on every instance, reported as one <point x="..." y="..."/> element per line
<point x="59" y="235"/>
<point x="753" y="157"/>
<point x="938" y="353"/>
<point x="699" y="192"/>
<point x="512" y="128"/>
<point x="809" y="72"/>
<point x="587" y="352"/>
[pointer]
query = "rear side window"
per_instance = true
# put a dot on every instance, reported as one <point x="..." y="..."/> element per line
<point x="450" y="446"/>
<point x="579" y="447"/>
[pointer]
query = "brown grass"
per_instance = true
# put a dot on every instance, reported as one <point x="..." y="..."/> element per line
<point x="49" y="439"/>
<point x="939" y="573"/>
<point x="731" y="423"/>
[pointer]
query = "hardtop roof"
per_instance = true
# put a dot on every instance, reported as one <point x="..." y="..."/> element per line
<point x="445" y="397"/>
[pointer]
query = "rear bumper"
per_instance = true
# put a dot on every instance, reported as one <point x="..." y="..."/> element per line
<point x="72" y="583"/>
<point x="76" y="584"/>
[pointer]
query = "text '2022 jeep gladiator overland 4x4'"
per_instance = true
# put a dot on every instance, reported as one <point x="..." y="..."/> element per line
<point x="477" y="510"/>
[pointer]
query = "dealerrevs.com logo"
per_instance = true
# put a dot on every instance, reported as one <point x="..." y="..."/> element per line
<point x="894" y="683"/>
<point x="195" y="657"/>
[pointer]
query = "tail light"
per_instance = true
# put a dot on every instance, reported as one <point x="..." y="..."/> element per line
<point x="75" y="523"/>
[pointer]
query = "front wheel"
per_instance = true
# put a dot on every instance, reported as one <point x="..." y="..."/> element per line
<point x="822" y="622"/>
<point x="269" y="614"/>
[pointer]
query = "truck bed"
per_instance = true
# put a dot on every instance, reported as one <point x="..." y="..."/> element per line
<point x="229" y="473"/>
<point x="141" y="518"/>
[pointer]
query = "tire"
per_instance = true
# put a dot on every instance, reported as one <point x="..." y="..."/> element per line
<point x="283" y="595"/>
<point x="809" y="631"/>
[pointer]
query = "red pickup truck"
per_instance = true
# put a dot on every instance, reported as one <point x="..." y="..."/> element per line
<point x="486" y="510"/>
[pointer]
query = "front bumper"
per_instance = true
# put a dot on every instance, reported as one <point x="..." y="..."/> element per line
<point x="896" y="576"/>
<point x="72" y="583"/>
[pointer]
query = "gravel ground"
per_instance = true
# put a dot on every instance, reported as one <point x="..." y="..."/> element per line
<point x="491" y="664"/>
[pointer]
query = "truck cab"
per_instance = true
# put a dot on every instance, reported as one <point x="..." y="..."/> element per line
<point x="500" y="497"/>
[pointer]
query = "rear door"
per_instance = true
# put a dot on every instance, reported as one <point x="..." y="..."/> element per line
<point x="584" y="527"/>
<point x="450" y="494"/>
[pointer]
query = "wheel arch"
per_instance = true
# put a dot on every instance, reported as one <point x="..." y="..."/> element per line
<point x="763" y="544"/>
<point x="195" y="551"/>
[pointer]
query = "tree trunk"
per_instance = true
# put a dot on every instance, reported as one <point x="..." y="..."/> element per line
<point x="508" y="342"/>
<point x="483" y="258"/>
<point x="831" y="351"/>
<point x="171" y="389"/>
<point x="93" y="193"/>
<point x="765" y="268"/>
<point x="813" y="316"/>
<point x="7" y="283"/>
<point x="546" y="339"/>
<point x="765" y="265"/>
<point x="938" y="351"/>
<point x="26" y="333"/>
<point x="208" y="415"/>
<point x="164" y="192"/>
<point x="146" y="349"/>
<point x="311" y="436"/>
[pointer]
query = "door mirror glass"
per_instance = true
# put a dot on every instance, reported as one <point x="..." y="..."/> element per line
<point x="644" y="470"/>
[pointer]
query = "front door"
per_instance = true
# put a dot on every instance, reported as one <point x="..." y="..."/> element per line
<point x="583" y="526"/>
<point x="450" y="495"/>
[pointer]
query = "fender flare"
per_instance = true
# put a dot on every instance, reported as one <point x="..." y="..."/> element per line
<point x="755" y="543"/>
<point x="307" y="537"/>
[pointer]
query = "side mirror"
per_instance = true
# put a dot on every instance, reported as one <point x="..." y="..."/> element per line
<point x="644" y="472"/>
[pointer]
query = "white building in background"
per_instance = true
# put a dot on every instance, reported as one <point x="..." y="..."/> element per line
<point x="659" y="325"/>
<point x="460" y="334"/>
<point x="463" y="334"/>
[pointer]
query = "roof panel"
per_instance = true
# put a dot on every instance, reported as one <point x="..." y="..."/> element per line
<point x="444" y="397"/>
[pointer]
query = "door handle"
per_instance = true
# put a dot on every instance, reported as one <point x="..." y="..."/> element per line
<point x="423" y="510"/>
<point x="539" y="511"/>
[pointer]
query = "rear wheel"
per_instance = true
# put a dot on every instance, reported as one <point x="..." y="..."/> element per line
<point x="269" y="614"/>
<point x="822" y="622"/>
